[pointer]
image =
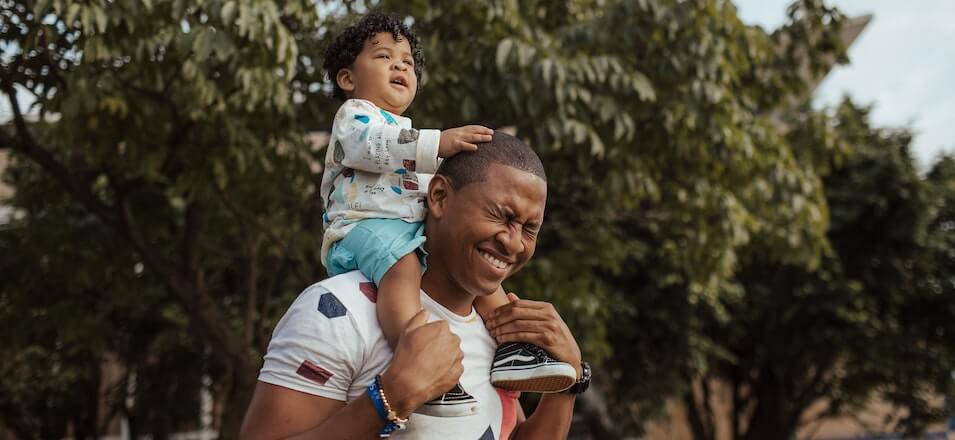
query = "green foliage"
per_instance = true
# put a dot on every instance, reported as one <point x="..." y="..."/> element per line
<point x="872" y="321"/>
<point x="176" y="177"/>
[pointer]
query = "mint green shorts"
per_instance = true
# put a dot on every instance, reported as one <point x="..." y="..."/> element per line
<point x="374" y="245"/>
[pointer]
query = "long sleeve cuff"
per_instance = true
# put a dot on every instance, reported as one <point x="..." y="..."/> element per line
<point x="426" y="157"/>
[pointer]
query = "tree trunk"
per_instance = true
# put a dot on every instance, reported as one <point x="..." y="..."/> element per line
<point x="236" y="401"/>
<point x="593" y="404"/>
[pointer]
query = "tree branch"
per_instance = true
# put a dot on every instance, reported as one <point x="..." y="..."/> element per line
<point x="26" y="144"/>
<point x="700" y="424"/>
<point x="252" y="220"/>
<point x="262" y="334"/>
<point x="594" y="406"/>
<point x="204" y="312"/>
<point x="190" y="242"/>
<point x="736" y="403"/>
<point x="807" y="394"/>
<point x="251" y="290"/>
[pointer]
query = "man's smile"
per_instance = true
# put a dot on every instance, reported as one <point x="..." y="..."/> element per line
<point x="495" y="262"/>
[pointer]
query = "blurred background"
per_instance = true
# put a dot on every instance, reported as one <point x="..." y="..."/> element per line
<point x="750" y="228"/>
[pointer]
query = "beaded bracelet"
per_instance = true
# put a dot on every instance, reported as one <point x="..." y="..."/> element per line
<point x="377" y="395"/>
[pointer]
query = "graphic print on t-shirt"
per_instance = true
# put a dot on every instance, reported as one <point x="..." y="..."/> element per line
<point x="369" y="290"/>
<point x="488" y="435"/>
<point x="330" y="306"/>
<point x="313" y="372"/>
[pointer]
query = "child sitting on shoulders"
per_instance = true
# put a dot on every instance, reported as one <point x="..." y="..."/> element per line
<point x="377" y="170"/>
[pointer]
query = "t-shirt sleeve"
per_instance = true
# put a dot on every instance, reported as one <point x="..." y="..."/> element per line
<point x="316" y="347"/>
<point x="365" y="142"/>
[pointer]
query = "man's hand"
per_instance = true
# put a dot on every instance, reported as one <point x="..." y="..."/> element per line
<point x="538" y="323"/>
<point x="456" y="140"/>
<point x="427" y="363"/>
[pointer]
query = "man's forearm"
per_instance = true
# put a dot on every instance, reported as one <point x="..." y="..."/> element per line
<point x="551" y="419"/>
<point x="357" y="420"/>
<point x="274" y="421"/>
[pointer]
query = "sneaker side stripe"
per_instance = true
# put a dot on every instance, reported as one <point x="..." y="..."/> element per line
<point x="514" y="357"/>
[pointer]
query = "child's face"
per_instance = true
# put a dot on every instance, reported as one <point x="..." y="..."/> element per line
<point x="383" y="73"/>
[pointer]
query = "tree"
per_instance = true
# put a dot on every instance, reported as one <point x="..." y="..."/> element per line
<point x="873" y="320"/>
<point x="173" y="133"/>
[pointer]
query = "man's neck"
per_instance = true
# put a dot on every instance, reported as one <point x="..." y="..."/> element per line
<point x="442" y="291"/>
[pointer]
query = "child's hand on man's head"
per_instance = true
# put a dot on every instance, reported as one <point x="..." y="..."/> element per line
<point x="456" y="140"/>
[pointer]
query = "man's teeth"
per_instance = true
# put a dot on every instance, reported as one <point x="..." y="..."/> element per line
<point x="494" y="261"/>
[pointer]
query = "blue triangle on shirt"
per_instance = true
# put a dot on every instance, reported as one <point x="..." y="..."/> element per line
<point x="388" y="118"/>
<point x="488" y="435"/>
<point x="363" y="118"/>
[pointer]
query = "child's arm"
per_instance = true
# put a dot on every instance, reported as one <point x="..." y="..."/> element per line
<point x="370" y="144"/>
<point x="486" y="305"/>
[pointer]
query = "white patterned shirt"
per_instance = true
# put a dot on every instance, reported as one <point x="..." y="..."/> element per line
<point x="376" y="166"/>
<point x="329" y="344"/>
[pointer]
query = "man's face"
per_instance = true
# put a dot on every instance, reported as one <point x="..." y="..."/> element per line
<point x="487" y="231"/>
<point x="383" y="73"/>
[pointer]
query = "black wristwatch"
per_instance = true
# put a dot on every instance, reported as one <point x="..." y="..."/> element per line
<point x="582" y="383"/>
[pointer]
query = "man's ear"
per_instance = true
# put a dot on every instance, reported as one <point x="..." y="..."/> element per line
<point x="344" y="80"/>
<point x="438" y="192"/>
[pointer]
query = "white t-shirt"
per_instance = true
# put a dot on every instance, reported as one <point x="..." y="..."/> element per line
<point x="329" y="344"/>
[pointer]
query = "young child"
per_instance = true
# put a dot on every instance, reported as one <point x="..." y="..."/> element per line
<point x="376" y="176"/>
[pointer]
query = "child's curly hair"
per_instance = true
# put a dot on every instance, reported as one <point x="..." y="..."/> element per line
<point x="347" y="45"/>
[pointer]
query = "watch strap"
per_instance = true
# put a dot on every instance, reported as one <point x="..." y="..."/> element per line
<point x="583" y="383"/>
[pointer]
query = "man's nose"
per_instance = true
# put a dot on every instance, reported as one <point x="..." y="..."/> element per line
<point x="511" y="239"/>
<point x="399" y="65"/>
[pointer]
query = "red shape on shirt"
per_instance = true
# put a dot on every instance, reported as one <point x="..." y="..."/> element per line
<point x="410" y="185"/>
<point x="370" y="291"/>
<point x="313" y="372"/>
<point x="408" y="165"/>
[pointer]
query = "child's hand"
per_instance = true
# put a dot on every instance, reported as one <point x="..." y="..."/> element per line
<point x="456" y="140"/>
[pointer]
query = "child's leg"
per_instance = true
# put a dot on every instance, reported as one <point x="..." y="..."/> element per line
<point x="398" y="299"/>
<point x="486" y="305"/>
<point x="522" y="366"/>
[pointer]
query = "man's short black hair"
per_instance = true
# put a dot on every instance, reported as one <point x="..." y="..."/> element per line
<point x="471" y="166"/>
<point x="347" y="45"/>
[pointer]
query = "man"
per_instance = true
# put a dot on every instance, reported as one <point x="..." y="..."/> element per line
<point x="327" y="373"/>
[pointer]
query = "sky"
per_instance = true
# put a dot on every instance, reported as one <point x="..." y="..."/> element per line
<point x="903" y="64"/>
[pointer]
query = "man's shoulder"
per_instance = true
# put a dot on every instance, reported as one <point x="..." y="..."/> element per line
<point x="349" y="286"/>
<point x="348" y="295"/>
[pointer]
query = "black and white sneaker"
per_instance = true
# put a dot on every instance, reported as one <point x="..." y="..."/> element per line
<point x="454" y="403"/>
<point x="519" y="366"/>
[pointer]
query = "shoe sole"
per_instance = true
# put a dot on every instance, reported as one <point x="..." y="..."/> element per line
<point x="457" y="409"/>
<point x="556" y="378"/>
